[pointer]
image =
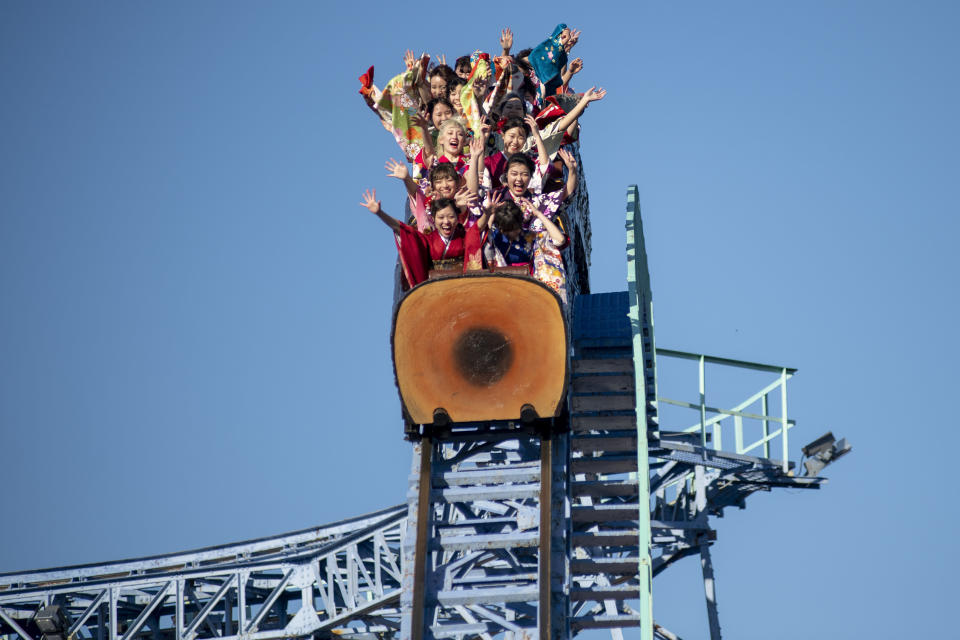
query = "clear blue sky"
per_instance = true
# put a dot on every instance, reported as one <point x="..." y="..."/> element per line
<point x="194" y="311"/>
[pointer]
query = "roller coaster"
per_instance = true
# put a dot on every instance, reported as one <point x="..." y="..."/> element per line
<point x="547" y="488"/>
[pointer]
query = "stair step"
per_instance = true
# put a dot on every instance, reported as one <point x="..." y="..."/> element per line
<point x="621" y="402"/>
<point x="603" y="488"/>
<point x="496" y="475"/>
<point x="604" y="464"/>
<point x="616" y="441"/>
<point x="472" y="630"/>
<point x="614" y="538"/>
<point x="486" y="492"/>
<point x="605" y="621"/>
<point x="587" y="346"/>
<point x="472" y="525"/>
<point x="603" y="423"/>
<point x="512" y="540"/>
<point x="605" y="593"/>
<point x="485" y="596"/>
<point x="608" y="566"/>
<point x="605" y="512"/>
<point x="602" y="365"/>
<point x="596" y="384"/>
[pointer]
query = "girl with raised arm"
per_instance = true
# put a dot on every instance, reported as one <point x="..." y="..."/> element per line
<point x="449" y="245"/>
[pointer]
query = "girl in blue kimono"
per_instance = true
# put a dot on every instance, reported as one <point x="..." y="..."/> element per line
<point x="549" y="58"/>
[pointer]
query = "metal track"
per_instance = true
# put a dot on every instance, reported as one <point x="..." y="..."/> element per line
<point x="310" y="582"/>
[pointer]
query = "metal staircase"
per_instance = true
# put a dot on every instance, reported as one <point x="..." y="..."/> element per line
<point x="605" y="495"/>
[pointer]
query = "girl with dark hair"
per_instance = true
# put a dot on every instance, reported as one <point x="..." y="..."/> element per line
<point x="449" y="244"/>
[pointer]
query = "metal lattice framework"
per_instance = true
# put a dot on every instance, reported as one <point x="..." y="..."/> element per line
<point x="509" y="531"/>
<point x="311" y="582"/>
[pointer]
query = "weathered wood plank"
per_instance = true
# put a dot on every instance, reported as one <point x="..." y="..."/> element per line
<point x="602" y="403"/>
<point x="603" y="423"/>
<point x="594" y="384"/>
<point x="603" y="365"/>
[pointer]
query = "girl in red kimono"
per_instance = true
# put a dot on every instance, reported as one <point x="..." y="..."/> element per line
<point x="449" y="244"/>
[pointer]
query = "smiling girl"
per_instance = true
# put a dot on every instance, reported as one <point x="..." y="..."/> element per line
<point x="451" y="142"/>
<point x="448" y="245"/>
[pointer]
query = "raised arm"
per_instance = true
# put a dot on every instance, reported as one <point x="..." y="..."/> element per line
<point x="423" y="85"/>
<point x="591" y="95"/>
<point x="429" y="150"/>
<point x="502" y="67"/>
<point x="471" y="95"/>
<point x="373" y="205"/>
<point x="556" y="234"/>
<point x="506" y="41"/>
<point x="400" y="171"/>
<point x="575" y="67"/>
<point x="478" y="148"/>
<point x="490" y="205"/>
<point x="542" y="156"/>
<point x="571" y="163"/>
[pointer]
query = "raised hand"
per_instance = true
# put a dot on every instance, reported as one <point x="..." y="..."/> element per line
<point x="594" y="94"/>
<point x="526" y="205"/>
<point x="441" y="59"/>
<point x="568" y="159"/>
<point x="396" y="170"/>
<point x="408" y="59"/>
<point x="422" y="72"/>
<point x="574" y="38"/>
<point x="370" y="201"/>
<point x="494" y="199"/>
<point x="506" y="40"/>
<point x="576" y="66"/>
<point x="464" y="198"/>
<point x="532" y="122"/>
<point x="421" y="121"/>
<point x="476" y="147"/>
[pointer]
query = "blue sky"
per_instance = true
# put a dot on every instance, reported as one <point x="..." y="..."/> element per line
<point x="195" y="312"/>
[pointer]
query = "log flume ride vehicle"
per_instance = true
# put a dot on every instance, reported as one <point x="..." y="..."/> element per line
<point x="480" y="348"/>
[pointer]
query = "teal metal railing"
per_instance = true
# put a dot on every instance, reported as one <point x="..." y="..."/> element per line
<point x="713" y="422"/>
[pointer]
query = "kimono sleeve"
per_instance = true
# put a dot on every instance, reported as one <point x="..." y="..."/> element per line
<point x="414" y="253"/>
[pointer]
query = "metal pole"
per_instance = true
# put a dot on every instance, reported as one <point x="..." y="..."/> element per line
<point x="703" y="409"/>
<point x="417" y="621"/>
<point x="709" y="589"/>
<point x="765" y="411"/>
<point x="783" y="424"/>
<point x="546" y="509"/>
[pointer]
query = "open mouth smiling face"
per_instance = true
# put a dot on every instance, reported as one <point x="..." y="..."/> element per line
<point x="445" y="221"/>
<point x="453" y="143"/>
<point x="518" y="178"/>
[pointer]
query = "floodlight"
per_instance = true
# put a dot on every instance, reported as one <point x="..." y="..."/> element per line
<point x="823" y="451"/>
<point x="52" y="622"/>
<point x="821" y="444"/>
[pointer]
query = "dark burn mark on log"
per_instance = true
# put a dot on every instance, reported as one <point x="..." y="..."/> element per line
<point x="483" y="355"/>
